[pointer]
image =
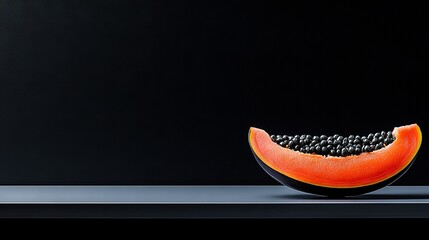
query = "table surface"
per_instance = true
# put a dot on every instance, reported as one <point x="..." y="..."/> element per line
<point x="207" y="202"/>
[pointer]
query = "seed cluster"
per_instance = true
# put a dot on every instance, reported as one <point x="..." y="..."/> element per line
<point x="335" y="145"/>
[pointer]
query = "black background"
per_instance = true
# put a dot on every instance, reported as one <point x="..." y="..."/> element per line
<point x="164" y="92"/>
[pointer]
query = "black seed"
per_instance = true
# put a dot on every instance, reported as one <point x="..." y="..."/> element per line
<point x="356" y="141"/>
<point x="344" y="152"/>
<point x="313" y="143"/>
<point x="332" y="152"/>
<point x="301" y="142"/>
<point x="317" y="149"/>
<point x="296" y="147"/>
<point x="340" y="138"/>
<point x="316" y="138"/>
<point x="345" y="142"/>
<point x="283" y="144"/>
<point x="367" y="148"/>
<point x="336" y="142"/>
<point x="379" y="146"/>
<point x="370" y="136"/>
<point x="312" y="149"/>
<point x="338" y="152"/>
<point x="388" y="140"/>
<point x="377" y="135"/>
<point x="324" y="150"/>
<point x="329" y="146"/>
<point x="351" y="137"/>
<point x="351" y="149"/>
<point x="323" y="143"/>
<point x="323" y="137"/>
<point x="358" y="151"/>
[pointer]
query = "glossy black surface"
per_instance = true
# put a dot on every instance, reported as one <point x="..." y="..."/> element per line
<point x="207" y="202"/>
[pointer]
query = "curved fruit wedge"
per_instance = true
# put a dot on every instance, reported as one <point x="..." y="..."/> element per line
<point x="337" y="176"/>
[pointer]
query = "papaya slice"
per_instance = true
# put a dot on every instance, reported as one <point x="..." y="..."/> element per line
<point x="337" y="176"/>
